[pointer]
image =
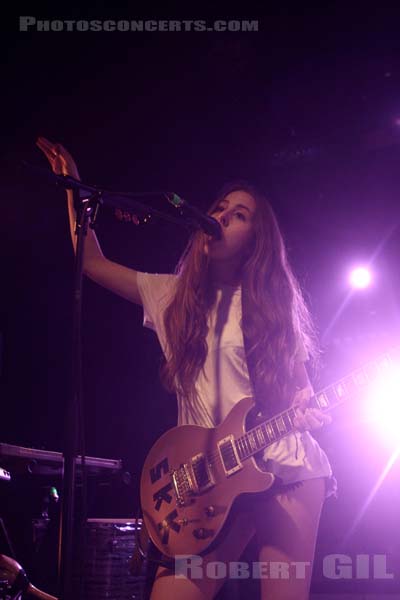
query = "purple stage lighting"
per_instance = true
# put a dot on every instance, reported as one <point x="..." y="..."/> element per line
<point x="360" y="278"/>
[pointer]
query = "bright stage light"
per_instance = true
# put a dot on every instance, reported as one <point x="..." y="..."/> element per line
<point x="383" y="403"/>
<point x="360" y="277"/>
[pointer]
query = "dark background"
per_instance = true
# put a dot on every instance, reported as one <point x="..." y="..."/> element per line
<point x="308" y="108"/>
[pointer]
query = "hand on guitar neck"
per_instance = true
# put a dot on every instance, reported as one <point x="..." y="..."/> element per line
<point x="308" y="418"/>
<point x="13" y="572"/>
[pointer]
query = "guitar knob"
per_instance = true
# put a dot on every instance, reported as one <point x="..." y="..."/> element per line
<point x="200" y="533"/>
<point x="210" y="511"/>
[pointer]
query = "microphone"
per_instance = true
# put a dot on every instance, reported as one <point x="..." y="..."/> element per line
<point x="127" y="201"/>
<point x="208" y="224"/>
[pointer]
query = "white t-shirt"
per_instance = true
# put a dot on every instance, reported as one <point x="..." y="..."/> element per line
<point x="224" y="380"/>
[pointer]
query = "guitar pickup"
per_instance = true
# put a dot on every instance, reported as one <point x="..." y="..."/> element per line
<point x="201" y="473"/>
<point x="229" y="455"/>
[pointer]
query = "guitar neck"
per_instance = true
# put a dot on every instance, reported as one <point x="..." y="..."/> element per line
<point x="271" y="430"/>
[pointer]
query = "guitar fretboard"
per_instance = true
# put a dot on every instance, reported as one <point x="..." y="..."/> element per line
<point x="269" y="431"/>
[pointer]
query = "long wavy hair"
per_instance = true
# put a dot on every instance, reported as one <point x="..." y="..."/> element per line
<point x="276" y="322"/>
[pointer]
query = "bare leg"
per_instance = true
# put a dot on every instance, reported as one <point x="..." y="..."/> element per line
<point x="167" y="585"/>
<point x="287" y="527"/>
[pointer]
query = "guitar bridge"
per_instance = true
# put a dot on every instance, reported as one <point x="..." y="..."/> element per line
<point x="182" y="483"/>
<point x="192" y="478"/>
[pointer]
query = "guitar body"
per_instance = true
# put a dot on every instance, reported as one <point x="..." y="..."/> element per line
<point x="193" y="474"/>
<point x="190" y="480"/>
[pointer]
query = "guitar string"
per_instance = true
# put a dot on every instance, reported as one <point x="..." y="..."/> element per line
<point x="215" y="454"/>
<point x="353" y="377"/>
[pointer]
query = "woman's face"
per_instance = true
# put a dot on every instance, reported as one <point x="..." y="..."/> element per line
<point x="235" y="214"/>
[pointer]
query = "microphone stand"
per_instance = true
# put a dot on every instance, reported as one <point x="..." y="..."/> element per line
<point x="74" y="432"/>
<point x="87" y="200"/>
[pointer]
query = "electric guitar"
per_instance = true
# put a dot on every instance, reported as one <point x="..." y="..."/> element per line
<point x="193" y="474"/>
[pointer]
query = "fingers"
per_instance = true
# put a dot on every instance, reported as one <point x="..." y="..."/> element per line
<point x="52" y="155"/>
<point x="310" y="419"/>
<point x="302" y="397"/>
<point x="49" y="148"/>
<point x="44" y="144"/>
<point x="59" y="158"/>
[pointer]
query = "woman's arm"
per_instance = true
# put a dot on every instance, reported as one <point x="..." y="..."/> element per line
<point x="117" y="278"/>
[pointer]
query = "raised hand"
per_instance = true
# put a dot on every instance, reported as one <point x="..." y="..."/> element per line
<point x="59" y="158"/>
<point x="117" y="278"/>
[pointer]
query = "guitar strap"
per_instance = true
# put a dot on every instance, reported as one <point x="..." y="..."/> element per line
<point x="258" y="387"/>
<point x="266" y="405"/>
<point x="259" y="391"/>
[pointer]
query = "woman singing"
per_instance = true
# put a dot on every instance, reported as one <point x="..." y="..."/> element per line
<point x="232" y="323"/>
